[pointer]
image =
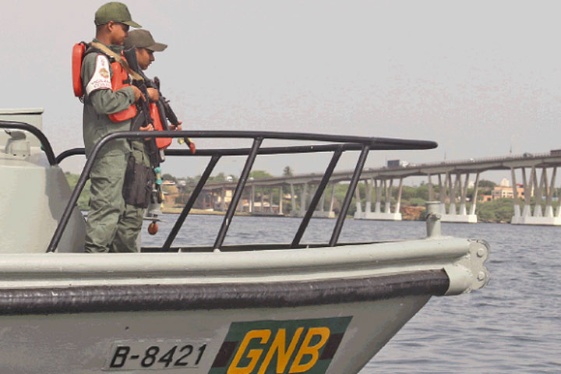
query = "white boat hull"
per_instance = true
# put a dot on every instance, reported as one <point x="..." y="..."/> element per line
<point x="316" y="310"/>
<point x="86" y="343"/>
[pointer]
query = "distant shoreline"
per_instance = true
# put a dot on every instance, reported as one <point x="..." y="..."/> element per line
<point x="169" y="210"/>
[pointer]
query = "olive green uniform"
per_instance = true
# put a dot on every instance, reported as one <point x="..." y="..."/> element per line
<point x="107" y="174"/>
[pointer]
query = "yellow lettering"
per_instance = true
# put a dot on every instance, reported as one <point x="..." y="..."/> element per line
<point x="283" y="354"/>
<point x="310" y="350"/>
<point x="252" y="354"/>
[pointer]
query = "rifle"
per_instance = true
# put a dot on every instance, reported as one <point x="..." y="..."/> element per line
<point x="170" y="115"/>
<point x="164" y="109"/>
<point x="143" y="118"/>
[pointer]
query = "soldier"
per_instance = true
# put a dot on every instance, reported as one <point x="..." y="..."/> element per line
<point x="130" y="224"/>
<point x="109" y="105"/>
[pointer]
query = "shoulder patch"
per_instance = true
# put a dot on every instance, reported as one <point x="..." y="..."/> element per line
<point x="101" y="79"/>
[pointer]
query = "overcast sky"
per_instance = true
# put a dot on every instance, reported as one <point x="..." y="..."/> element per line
<point x="481" y="78"/>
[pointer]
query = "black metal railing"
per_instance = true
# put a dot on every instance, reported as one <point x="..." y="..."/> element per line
<point x="336" y="144"/>
<point x="45" y="145"/>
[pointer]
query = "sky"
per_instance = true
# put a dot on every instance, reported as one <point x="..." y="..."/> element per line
<point x="481" y="78"/>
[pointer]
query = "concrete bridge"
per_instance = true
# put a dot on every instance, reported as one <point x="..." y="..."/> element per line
<point x="533" y="181"/>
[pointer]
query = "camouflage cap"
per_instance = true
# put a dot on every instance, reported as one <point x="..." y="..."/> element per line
<point x="143" y="39"/>
<point x="116" y="12"/>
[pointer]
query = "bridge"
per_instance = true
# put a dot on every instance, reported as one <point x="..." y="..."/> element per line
<point x="533" y="181"/>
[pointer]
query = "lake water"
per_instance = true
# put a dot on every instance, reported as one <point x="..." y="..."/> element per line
<point x="511" y="325"/>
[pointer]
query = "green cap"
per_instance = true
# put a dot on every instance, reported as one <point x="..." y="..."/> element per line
<point x="143" y="39"/>
<point x="116" y="12"/>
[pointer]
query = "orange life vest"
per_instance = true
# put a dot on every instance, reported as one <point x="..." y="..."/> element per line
<point x="161" y="143"/>
<point x="78" y="52"/>
<point x="119" y="79"/>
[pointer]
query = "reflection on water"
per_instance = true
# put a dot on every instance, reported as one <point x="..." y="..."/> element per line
<point x="511" y="325"/>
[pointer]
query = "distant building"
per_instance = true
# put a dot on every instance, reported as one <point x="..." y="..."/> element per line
<point x="505" y="191"/>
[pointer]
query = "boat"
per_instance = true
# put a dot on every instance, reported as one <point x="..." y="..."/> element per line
<point x="295" y="307"/>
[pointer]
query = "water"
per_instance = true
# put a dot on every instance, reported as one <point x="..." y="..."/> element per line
<point x="511" y="325"/>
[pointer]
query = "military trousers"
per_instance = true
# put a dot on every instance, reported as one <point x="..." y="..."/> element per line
<point x="106" y="201"/>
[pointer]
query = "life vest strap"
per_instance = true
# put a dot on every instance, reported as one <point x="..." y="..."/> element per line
<point x="119" y="59"/>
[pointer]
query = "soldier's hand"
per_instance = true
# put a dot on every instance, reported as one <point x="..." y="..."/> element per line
<point x="137" y="93"/>
<point x="148" y="127"/>
<point x="175" y="128"/>
<point x="154" y="94"/>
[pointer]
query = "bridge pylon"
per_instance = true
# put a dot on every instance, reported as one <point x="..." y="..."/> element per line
<point x="452" y="191"/>
<point x="536" y="191"/>
<point x="381" y="187"/>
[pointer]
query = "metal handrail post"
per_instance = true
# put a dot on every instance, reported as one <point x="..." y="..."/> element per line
<point x="72" y="201"/>
<point x="238" y="193"/>
<point x="194" y="195"/>
<point x="349" y="196"/>
<point x="313" y="204"/>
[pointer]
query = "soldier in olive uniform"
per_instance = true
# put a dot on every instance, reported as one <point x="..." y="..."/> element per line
<point x="109" y="106"/>
<point x="130" y="224"/>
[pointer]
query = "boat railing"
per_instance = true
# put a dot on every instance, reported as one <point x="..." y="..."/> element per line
<point x="335" y="144"/>
<point x="45" y="144"/>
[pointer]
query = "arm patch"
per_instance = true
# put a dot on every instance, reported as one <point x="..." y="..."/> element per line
<point x="101" y="79"/>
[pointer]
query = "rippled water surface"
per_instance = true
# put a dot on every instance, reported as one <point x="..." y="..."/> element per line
<point x="511" y="325"/>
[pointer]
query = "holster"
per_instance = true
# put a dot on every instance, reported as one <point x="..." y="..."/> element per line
<point x="139" y="182"/>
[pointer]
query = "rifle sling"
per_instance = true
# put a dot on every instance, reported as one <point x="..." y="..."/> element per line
<point x="119" y="59"/>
